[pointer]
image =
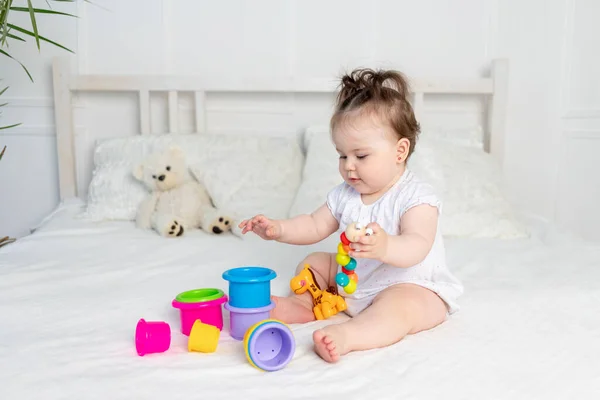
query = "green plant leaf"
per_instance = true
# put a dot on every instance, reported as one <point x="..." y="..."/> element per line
<point x="9" y="56"/>
<point x="9" y="126"/>
<point x="4" y="90"/>
<point x="10" y="35"/>
<point x="25" y="31"/>
<point x="4" y="9"/>
<point x="2" y="152"/>
<point x="34" y="24"/>
<point x="42" y="11"/>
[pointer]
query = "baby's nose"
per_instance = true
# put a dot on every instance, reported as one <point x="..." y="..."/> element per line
<point x="161" y="178"/>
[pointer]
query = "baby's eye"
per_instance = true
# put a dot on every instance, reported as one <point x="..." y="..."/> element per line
<point x="362" y="157"/>
<point x="343" y="157"/>
<point x="168" y="168"/>
<point x="153" y="176"/>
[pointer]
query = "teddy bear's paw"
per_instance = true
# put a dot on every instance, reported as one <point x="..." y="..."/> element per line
<point x="173" y="229"/>
<point x="220" y="225"/>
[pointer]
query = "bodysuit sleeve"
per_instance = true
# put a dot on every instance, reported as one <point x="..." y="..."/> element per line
<point x="335" y="197"/>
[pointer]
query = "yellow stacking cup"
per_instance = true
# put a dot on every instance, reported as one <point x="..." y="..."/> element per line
<point x="203" y="338"/>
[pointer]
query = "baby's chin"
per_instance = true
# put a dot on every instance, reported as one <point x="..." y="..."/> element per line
<point x="360" y="186"/>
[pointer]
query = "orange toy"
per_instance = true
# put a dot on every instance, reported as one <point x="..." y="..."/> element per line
<point x="326" y="302"/>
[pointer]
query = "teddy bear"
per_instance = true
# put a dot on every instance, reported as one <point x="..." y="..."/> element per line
<point x="176" y="202"/>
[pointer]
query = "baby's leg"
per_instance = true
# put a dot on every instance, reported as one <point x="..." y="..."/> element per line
<point x="396" y="312"/>
<point x="296" y="309"/>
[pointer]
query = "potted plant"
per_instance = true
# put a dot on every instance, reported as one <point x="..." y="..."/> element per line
<point x="11" y="32"/>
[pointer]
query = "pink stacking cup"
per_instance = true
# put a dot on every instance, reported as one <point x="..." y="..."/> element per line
<point x="200" y="304"/>
<point x="152" y="337"/>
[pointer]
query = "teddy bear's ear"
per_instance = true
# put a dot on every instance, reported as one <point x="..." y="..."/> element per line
<point x="138" y="172"/>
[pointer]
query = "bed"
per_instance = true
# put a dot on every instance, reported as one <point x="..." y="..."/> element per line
<point x="72" y="292"/>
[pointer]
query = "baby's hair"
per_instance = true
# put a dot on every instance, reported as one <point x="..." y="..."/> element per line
<point x="384" y="92"/>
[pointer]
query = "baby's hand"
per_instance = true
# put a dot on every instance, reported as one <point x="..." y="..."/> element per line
<point x="372" y="246"/>
<point x="263" y="227"/>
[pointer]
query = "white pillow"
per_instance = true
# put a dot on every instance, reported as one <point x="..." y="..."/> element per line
<point x="470" y="184"/>
<point x="320" y="173"/>
<point x="252" y="176"/>
<point x="113" y="193"/>
<point x="466" y="178"/>
<point x="224" y="161"/>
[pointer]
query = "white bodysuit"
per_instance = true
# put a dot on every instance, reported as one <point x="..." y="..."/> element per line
<point x="432" y="273"/>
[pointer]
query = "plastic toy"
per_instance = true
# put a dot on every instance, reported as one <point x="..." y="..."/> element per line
<point x="269" y="345"/>
<point x="249" y="287"/>
<point x="204" y="338"/>
<point x="348" y="278"/>
<point x="326" y="302"/>
<point x="243" y="318"/>
<point x="202" y="304"/>
<point x="152" y="337"/>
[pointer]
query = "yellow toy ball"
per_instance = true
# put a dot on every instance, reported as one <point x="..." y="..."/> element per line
<point x="350" y="287"/>
<point x="342" y="259"/>
<point x="341" y="249"/>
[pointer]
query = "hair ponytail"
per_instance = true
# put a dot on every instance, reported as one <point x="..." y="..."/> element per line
<point x="384" y="91"/>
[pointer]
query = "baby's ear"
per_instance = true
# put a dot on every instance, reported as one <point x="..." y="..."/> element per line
<point x="138" y="172"/>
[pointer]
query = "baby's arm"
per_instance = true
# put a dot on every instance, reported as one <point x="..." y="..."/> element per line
<point x="308" y="229"/>
<point x="417" y="233"/>
<point x="302" y="230"/>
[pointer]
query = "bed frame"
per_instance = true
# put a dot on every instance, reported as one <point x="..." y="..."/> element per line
<point x="492" y="89"/>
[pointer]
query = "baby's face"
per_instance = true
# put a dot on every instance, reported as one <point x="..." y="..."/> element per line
<point x="368" y="153"/>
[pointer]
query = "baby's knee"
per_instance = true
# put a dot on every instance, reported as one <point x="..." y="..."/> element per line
<point x="318" y="260"/>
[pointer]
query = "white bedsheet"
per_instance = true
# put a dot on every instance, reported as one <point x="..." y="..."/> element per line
<point x="71" y="294"/>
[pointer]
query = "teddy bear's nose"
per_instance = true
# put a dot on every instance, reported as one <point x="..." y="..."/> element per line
<point x="161" y="178"/>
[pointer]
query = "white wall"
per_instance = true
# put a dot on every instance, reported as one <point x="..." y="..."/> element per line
<point x="550" y="45"/>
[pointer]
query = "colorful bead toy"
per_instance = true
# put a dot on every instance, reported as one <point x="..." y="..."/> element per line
<point x="348" y="278"/>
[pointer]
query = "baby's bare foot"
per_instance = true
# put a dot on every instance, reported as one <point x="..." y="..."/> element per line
<point x="292" y="310"/>
<point x="330" y="343"/>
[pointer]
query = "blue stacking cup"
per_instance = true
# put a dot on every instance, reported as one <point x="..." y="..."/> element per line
<point x="249" y="287"/>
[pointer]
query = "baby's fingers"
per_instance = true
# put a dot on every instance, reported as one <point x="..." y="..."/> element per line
<point x="243" y="223"/>
<point x="369" y="240"/>
<point x="361" y="254"/>
<point x="357" y="247"/>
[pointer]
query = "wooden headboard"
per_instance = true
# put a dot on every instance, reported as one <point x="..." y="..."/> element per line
<point x="492" y="90"/>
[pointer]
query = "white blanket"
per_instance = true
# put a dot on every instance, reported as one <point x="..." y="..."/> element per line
<point x="71" y="294"/>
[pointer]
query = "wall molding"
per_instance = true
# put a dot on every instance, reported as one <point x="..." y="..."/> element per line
<point x="28" y="102"/>
<point x="582" y="113"/>
<point x="581" y="134"/>
<point x="566" y="53"/>
<point x="568" y="110"/>
<point x="29" y="131"/>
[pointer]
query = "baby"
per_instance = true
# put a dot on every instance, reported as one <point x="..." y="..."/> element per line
<point x="404" y="284"/>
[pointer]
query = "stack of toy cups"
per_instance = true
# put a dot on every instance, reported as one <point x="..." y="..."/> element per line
<point x="249" y="298"/>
